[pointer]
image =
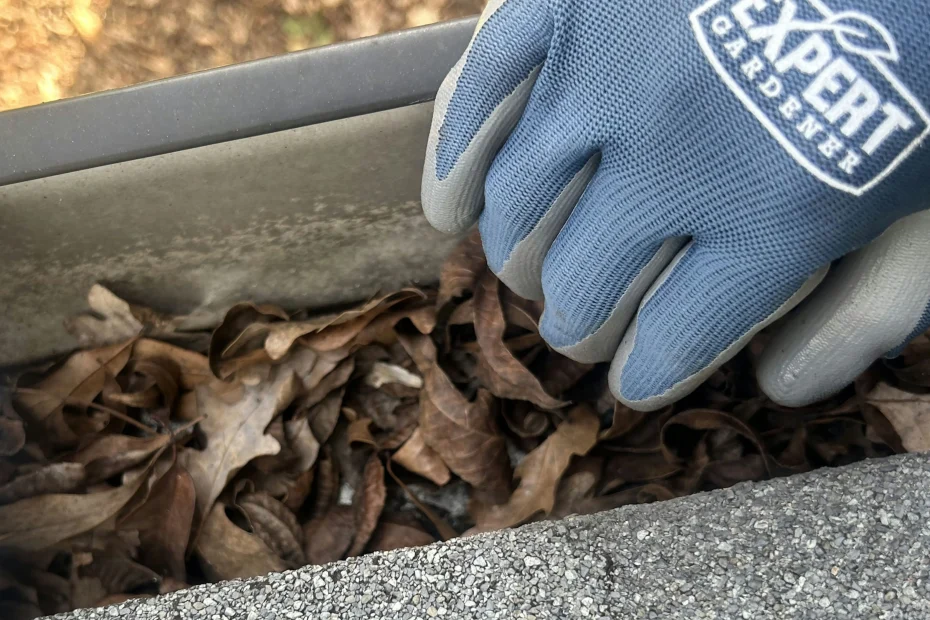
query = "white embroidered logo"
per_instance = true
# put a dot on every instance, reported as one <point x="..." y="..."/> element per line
<point x="819" y="81"/>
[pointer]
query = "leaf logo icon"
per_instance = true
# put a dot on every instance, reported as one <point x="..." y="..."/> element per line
<point x="863" y="35"/>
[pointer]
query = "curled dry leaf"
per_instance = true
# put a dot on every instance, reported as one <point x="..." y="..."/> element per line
<point x="908" y="413"/>
<point x="333" y="380"/>
<point x="329" y="536"/>
<point x="506" y="376"/>
<point x="77" y="382"/>
<point x="276" y="526"/>
<point x="164" y="523"/>
<point x="445" y="531"/>
<point x="109" y="455"/>
<point x="236" y="433"/>
<point x="193" y="368"/>
<point x="55" y="478"/>
<point x="40" y="522"/>
<point x="462" y="269"/>
<point x="419" y="458"/>
<point x="464" y="433"/>
<point x="541" y="471"/>
<point x="325" y="415"/>
<point x="339" y="330"/>
<point x="226" y="551"/>
<point x="368" y="504"/>
<point x="302" y="443"/>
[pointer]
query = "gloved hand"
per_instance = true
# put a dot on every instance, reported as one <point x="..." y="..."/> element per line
<point x="673" y="176"/>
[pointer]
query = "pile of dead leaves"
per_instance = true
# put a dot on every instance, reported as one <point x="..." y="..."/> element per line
<point x="157" y="458"/>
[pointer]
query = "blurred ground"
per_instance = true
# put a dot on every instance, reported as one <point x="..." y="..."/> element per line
<point x="51" y="49"/>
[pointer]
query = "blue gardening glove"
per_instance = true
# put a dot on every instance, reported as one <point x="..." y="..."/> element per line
<point x="672" y="176"/>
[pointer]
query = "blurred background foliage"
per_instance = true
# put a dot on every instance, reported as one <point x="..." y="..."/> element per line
<point x="50" y="49"/>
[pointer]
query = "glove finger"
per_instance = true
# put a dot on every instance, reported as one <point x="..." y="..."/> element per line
<point x="703" y="309"/>
<point x="604" y="259"/>
<point x="531" y="189"/>
<point x="875" y="301"/>
<point x="477" y="107"/>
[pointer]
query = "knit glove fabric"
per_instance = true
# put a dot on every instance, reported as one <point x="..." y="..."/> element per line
<point x="671" y="177"/>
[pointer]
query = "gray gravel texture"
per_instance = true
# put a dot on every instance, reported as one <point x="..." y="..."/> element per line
<point x="852" y="542"/>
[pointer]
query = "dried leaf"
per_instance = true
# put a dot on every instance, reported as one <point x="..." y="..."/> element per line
<point x="117" y="570"/>
<point x="445" y="531"/>
<point x="908" y="413"/>
<point x="236" y="433"/>
<point x="236" y="343"/>
<point x="40" y="522"/>
<point x="193" y="368"/>
<point x="359" y="431"/>
<point x="339" y="330"/>
<point x="229" y="552"/>
<point x="109" y="455"/>
<point x="276" y="526"/>
<point x="298" y="492"/>
<point x="333" y="380"/>
<point x="368" y="504"/>
<point x="463" y="433"/>
<point x="164" y="523"/>
<point x="324" y="416"/>
<point x="390" y="536"/>
<point x="330" y="536"/>
<point x="541" y="470"/>
<point x="302" y="443"/>
<point x="55" y="478"/>
<point x="77" y="382"/>
<point x="508" y="378"/>
<point x="12" y="433"/>
<point x="524" y="421"/>
<point x="624" y="420"/>
<point x="120" y="320"/>
<point x="462" y="269"/>
<point x="417" y="457"/>
<point x="577" y="486"/>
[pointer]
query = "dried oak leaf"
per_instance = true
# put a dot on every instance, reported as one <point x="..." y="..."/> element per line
<point x="226" y="551"/>
<point x="541" y="470"/>
<point x="390" y="536"/>
<point x="908" y="413"/>
<point x="505" y="375"/>
<point x="39" y="522"/>
<point x="54" y="478"/>
<point x="462" y="269"/>
<point x="417" y="457"/>
<point x="369" y="502"/>
<point x="120" y="320"/>
<point x="465" y="434"/>
<point x="329" y="536"/>
<point x="235" y="433"/>
<point x="275" y="525"/>
<point x="164" y="523"/>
